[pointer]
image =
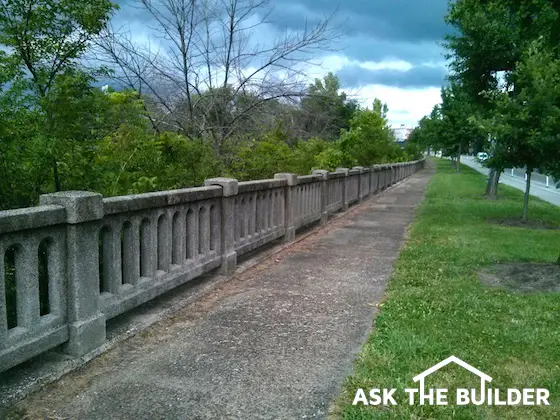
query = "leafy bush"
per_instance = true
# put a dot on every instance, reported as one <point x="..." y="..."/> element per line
<point x="258" y="159"/>
<point x="306" y="155"/>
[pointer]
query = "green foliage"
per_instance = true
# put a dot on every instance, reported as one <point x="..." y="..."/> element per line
<point x="369" y="139"/>
<point x="48" y="37"/>
<point x="330" y="111"/>
<point x="186" y="162"/>
<point x="452" y="125"/>
<point x="50" y="111"/>
<point x="135" y="162"/>
<point x="258" y="159"/>
<point x="331" y="158"/>
<point x="491" y="36"/>
<point x="60" y="132"/>
<point x="527" y="123"/>
<point x="412" y="151"/>
<point x="306" y="155"/>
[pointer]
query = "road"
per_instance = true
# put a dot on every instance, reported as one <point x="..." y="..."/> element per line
<point x="549" y="194"/>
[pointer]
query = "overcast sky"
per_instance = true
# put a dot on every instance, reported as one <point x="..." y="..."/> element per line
<point x="389" y="49"/>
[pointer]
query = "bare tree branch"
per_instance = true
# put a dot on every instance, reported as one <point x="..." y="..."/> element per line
<point x="210" y="72"/>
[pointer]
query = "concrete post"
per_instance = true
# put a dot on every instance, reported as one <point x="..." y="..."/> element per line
<point x="229" y="191"/>
<point x="367" y="181"/>
<point x="388" y="175"/>
<point x="324" y="194"/>
<point x="84" y="210"/>
<point x="371" y="180"/>
<point x="360" y="186"/>
<point x="345" y="203"/>
<point x="289" y="222"/>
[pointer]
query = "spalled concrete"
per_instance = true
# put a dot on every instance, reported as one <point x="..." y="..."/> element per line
<point x="273" y="343"/>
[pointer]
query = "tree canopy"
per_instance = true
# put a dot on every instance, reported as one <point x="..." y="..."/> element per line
<point x="503" y="91"/>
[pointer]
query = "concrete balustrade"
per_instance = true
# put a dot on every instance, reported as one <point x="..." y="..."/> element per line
<point x="335" y="191"/>
<point x="78" y="259"/>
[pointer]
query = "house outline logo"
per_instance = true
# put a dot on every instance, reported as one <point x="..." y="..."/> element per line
<point x="463" y="396"/>
<point x="452" y="359"/>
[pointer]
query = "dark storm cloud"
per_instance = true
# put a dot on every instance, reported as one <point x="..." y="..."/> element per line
<point x="416" y="77"/>
<point x="399" y="20"/>
<point x="373" y="30"/>
<point x="130" y="11"/>
<point x="362" y="48"/>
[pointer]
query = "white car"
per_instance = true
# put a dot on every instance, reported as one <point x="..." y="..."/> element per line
<point x="482" y="156"/>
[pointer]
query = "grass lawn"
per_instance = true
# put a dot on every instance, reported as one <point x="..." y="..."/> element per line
<point x="436" y="307"/>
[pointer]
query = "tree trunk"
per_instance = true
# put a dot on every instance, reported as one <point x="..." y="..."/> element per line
<point x="458" y="160"/>
<point x="492" y="185"/>
<point x="56" y="177"/>
<point x="526" y="198"/>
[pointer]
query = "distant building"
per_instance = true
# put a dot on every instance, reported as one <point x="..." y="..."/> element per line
<point x="402" y="133"/>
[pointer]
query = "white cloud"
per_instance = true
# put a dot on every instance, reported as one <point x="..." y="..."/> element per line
<point x="399" y="65"/>
<point x="335" y="63"/>
<point x="406" y="106"/>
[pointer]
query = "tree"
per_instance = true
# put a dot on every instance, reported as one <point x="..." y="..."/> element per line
<point x="210" y="62"/>
<point x="368" y="140"/>
<point x="306" y="154"/>
<point x="491" y="37"/>
<point x="458" y="126"/>
<point x="43" y="41"/>
<point x="326" y="110"/>
<point x="262" y="158"/>
<point x="527" y="121"/>
<point x="451" y="126"/>
<point x="428" y="132"/>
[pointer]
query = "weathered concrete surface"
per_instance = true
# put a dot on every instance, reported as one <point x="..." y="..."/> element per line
<point x="274" y="343"/>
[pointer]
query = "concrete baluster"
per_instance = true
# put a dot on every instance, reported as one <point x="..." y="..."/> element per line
<point x="84" y="210"/>
<point x="227" y="225"/>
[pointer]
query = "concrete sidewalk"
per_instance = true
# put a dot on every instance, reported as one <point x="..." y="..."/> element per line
<point x="273" y="343"/>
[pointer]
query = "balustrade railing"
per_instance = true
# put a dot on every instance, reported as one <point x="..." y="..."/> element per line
<point x="79" y="259"/>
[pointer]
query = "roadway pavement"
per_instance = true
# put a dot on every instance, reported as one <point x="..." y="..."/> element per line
<point x="549" y="194"/>
<point x="275" y="342"/>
